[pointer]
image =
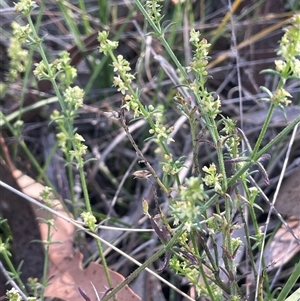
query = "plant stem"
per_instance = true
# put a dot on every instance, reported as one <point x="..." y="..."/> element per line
<point x="201" y="269"/>
<point x="290" y="283"/>
<point x="196" y="169"/>
<point x="46" y="261"/>
<point x="160" y="34"/>
<point x="12" y="269"/>
<point x="138" y="151"/>
<point x="89" y="209"/>
<point x="263" y="130"/>
<point x="154" y="257"/>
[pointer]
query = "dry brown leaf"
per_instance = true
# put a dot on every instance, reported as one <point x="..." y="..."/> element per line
<point x="69" y="276"/>
<point x="283" y="246"/>
<point x="288" y="199"/>
<point x="63" y="231"/>
<point x="65" y="271"/>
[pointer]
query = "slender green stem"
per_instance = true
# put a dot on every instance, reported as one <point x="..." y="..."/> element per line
<point x="71" y="22"/>
<point x="104" y="263"/>
<point x="246" y="229"/>
<point x="278" y="138"/>
<point x="201" y="270"/>
<point x="214" y="263"/>
<point x="85" y="190"/>
<point x="289" y="284"/>
<point x="263" y="130"/>
<point x="174" y="59"/>
<point x="89" y="209"/>
<point x="221" y="165"/>
<point x="84" y="17"/>
<point x="70" y="133"/>
<point x="70" y="174"/>
<point x="12" y="269"/>
<point x="46" y="260"/>
<point x="227" y="243"/>
<point x="104" y="11"/>
<point x="160" y="34"/>
<point x="195" y="147"/>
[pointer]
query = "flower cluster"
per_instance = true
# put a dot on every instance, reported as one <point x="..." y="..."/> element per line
<point x="21" y="33"/>
<point x="281" y="97"/>
<point x="188" y="208"/>
<point x="74" y="97"/>
<point x="18" y="56"/>
<point x="183" y="266"/>
<point x="161" y="132"/>
<point x="123" y="79"/>
<point x="18" y="126"/>
<point x="13" y="295"/>
<point x="290" y="50"/>
<point x="229" y="125"/>
<point x="46" y="195"/>
<point x="106" y="45"/>
<point x="44" y="70"/>
<point x="89" y="220"/>
<point x="212" y="178"/>
<point x="73" y="100"/>
<point x="171" y="167"/>
<point x="132" y="104"/>
<point x="79" y="147"/>
<point x="208" y="104"/>
<point x="232" y="139"/>
<point x="154" y="10"/>
<point x="25" y="7"/>
<point x="200" y="58"/>
<point x="4" y="248"/>
<point x="67" y="73"/>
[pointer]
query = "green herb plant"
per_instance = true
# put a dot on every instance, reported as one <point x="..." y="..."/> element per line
<point x="208" y="185"/>
<point x="61" y="75"/>
<point x="187" y="226"/>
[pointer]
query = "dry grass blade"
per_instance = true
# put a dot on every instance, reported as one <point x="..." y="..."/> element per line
<point x="249" y="42"/>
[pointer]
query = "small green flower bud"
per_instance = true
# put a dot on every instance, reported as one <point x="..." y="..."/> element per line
<point x="13" y="295"/>
<point x="46" y="193"/>
<point x="25" y="6"/>
<point x="89" y="220"/>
